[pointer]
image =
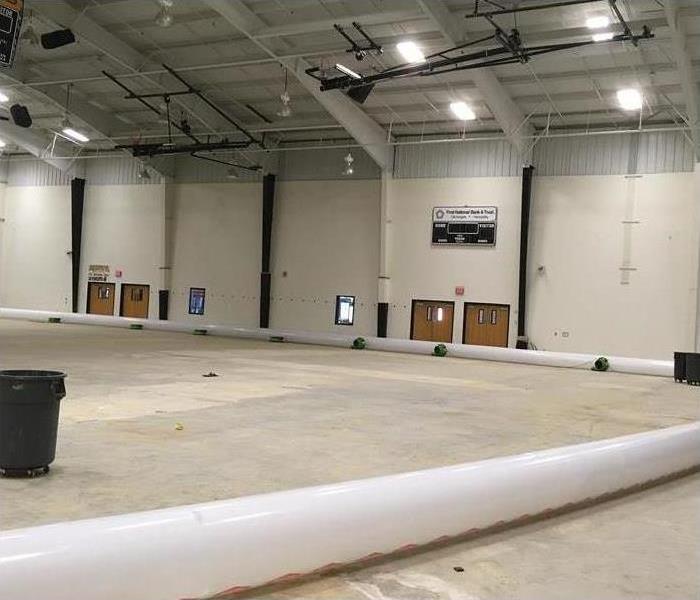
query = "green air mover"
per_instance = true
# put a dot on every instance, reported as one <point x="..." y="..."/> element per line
<point x="200" y="332"/>
<point x="601" y="364"/>
<point x="54" y="319"/>
<point x="136" y="326"/>
<point x="359" y="343"/>
<point x="440" y="350"/>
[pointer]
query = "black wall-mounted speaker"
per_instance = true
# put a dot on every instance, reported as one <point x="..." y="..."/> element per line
<point x="56" y="39"/>
<point x="359" y="94"/>
<point x="21" y="116"/>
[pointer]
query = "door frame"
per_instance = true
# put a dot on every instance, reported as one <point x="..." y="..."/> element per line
<point x="121" y="298"/>
<point x="89" y="289"/>
<point x="413" y="306"/>
<point x="464" y="319"/>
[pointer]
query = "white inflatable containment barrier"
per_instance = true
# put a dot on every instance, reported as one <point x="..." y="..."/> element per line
<point x="220" y="548"/>
<point x="638" y="366"/>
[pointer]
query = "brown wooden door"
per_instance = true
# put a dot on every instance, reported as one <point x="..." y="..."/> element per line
<point x="134" y="302"/>
<point x="432" y="321"/>
<point x="486" y="324"/>
<point x="101" y="298"/>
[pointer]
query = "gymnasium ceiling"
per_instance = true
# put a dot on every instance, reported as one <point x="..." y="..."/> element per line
<point x="574" y="89"/>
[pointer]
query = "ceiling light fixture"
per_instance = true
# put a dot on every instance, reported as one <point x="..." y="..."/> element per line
<point x="410" y="52"/>
<point x="75" y="135"/>
<point x="603" y="37"/>
<point x="599" y="22"/>
<point x="462" y="111"/>
<point x="285" y="98"/>
<point x="630" y="99"/>
<point x="164" y="18"/>
<point x="349" y="72"/>
<point x="349" y="169"/>
<point x="2" y="144"/>
<point x="4" y="97"/>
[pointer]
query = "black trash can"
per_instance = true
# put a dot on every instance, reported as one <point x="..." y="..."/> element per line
<point x="679" y="366"/>
<point x="29" y="406"/>
<point x="692" y="368"/>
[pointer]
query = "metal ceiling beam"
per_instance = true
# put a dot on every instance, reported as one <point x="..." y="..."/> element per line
<point x="34" y="143"/>
<point x="357" y="123"/>
<point x="509" y="117"/>
<point x="376" y="18"/>
<point x="685" y="69"/>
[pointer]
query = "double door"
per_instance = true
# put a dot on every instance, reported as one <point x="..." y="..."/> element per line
<point x="134" y="300"/>
<point x="486" y="324"/>
<point x="432" y="321"/>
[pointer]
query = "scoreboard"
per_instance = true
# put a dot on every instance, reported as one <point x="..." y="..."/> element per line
<point x="10" y="25"/>
<point x="464" y="225"/>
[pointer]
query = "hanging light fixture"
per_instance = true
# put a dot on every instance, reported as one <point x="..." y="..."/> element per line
<point x="349" y="169"/>
<point x="286" y="109"/>
<point x="164" y="18"/>
<point x="29" y="34"/>
<point x="67" y="127"/>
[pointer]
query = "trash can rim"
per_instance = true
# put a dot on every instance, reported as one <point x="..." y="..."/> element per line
<point x="31" y="374"/>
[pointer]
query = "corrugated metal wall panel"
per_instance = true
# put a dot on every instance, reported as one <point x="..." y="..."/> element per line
<point x="118" y="171"/>
<point x="613" y="154"/>
<point x="664" y="152"/>
<point x="488" y="158"/>
<point x="194" y="170"/>
<point x="33" y="172"/>
<point x="325" y="164"/>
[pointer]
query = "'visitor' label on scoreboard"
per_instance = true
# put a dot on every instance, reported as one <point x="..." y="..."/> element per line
<point x="465" y="225"/>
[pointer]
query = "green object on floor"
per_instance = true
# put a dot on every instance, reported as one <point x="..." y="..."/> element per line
<point x="135" y="326"/>
<point x="277" y="338"/>
<point x="601" y="364"/>
<point x="359" y="343"/>
<point x="200" y="332"/>
<point x="440" y="350"/>
<point x="54" y="319"/>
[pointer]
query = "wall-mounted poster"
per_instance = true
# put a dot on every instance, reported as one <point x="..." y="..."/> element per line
<point x="464" y="225"/>
<point x="98" y="273"/>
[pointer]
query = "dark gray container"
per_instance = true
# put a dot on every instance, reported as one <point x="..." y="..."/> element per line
<point x="679" y="366"/>
<point x="692" y="368"/>
<point x="29" y="407"/>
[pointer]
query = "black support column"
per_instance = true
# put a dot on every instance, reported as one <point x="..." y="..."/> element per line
<point x="382" y="318"/>
<point x="77" y="201"/>
<point x="524" y="236"/>
<point x="265" y="275"/>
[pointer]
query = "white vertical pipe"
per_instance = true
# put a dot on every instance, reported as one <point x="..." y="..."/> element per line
<point x="201" y="550"/>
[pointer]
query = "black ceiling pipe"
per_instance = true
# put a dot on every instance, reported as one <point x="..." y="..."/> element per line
<point x="528" y="172"/>
<point x="265" y="275"/>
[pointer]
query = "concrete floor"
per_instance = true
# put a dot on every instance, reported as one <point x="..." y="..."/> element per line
<point x="282" y="416"/>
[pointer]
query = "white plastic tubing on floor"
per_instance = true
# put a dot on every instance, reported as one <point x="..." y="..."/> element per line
<point x="221" y="548"/>
<point x="637" y="366"/>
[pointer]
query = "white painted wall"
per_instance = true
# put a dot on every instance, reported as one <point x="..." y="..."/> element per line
<point x="326" y="239"/>
<point x="419" y="270"/>
<point x="216" y="245"/>
<point x="35" y="269"/>
<point x="577" y="235"/>
<point x="122" y="228"/>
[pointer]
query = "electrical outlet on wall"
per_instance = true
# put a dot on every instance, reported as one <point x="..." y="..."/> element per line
<point x="565" y="334"/>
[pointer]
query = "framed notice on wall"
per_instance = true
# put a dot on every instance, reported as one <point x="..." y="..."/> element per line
<point x="464" y="225"/>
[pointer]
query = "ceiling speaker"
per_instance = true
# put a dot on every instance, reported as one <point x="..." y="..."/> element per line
<point x="56" y="39"/>
<point x="21" y="116"/>
<point x="359" y="93"/>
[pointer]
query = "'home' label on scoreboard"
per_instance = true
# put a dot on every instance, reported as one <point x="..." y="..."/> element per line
<point x="465" y="225"/>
